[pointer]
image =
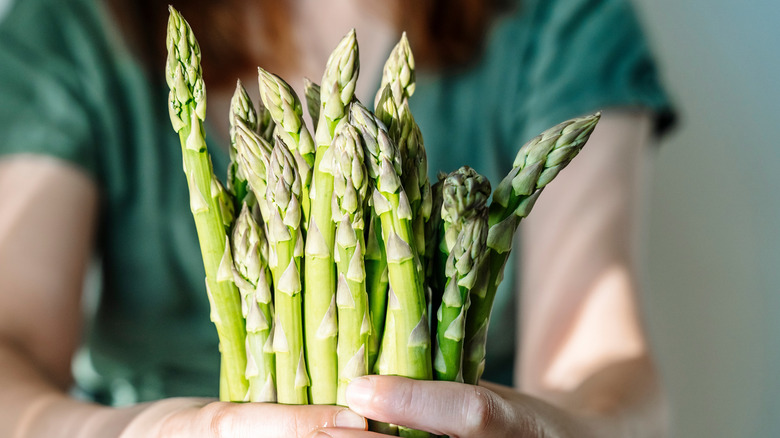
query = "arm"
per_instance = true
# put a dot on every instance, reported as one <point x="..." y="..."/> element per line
<point x="584" y="366"/>
<point x="48" y="218"/>
<point x="582" y="345"/>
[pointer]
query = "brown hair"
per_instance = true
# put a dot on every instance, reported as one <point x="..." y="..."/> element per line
<point x="443" y="33"/>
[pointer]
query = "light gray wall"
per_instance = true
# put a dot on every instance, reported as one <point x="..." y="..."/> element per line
<point x="713" y="253"/>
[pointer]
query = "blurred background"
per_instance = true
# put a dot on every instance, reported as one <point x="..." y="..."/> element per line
<point x="713" y="230"/>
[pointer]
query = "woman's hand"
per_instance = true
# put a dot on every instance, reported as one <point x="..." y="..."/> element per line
<point x="455" y="409"/>
<point x="202" y="418"/>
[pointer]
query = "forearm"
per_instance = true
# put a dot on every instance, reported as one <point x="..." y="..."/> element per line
<point x="622" y="400"/>
<point x="32" y="406"/>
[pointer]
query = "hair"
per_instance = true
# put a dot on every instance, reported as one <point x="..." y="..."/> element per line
<point x="443" y="33"/>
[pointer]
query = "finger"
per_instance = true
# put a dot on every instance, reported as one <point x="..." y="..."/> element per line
<point x="240" y="420"/>
<point x="444" y="408"/>
<point x="346" y="433"/>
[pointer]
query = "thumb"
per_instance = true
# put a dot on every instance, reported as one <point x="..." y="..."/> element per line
<point x="443" y="408"/>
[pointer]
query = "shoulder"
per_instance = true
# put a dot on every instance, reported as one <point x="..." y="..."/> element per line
<point x="59" y="70"/>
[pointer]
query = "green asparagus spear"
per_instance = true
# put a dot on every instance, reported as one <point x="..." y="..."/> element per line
<point x="398" y="73"/>
<point x="285" y="236"/>
<point x="286" y="110"/>
<point x="350" y="185"/>
<point x="242" y="110"/>
<point x="336" y="90"/>
<point x="464" y="210"/>
<point x="536" y="164"/>
<point x="252" y="276"/>
<point x="312" y="94"/>
<point x="253" y="155"/>
<point x="410" y="356"/>
<point x="187" y="109"/>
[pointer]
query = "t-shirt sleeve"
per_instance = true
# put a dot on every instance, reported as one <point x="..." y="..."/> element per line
<point x="44" y="104"/>
<point x="584" y="56"/>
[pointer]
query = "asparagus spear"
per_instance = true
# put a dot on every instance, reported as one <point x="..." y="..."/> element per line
<point x="251" y="275"/>
<point x="312" y="94"/>
<point x="536" y="164"/>
<point x="410" y="354"/>
<point x="464" y="210"/>
<point x="398" y="73"/>
<point x="376" y="284"/>
<point x="253" y="161"/>
<point x="285" y="236"/>
<point x="350" y="185"/>
<point x="187" y="109"/>
<point x="336" y="90"/>
<point x="242" y="110"/>
<point x="286" y="110"/>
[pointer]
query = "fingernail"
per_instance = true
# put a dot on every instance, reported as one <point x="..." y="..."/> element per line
<point x="360" y="392"/>
<point x="321" y="434"/>
<point x="349" y="419"/>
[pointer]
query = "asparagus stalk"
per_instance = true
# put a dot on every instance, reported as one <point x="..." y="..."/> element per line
<point x="537" y="163"/>
<point x="464" y="210"/>
<point x="336" y="90"/>
<point x="285" y="236"/>
<point x="251" y="275"/>
<point x="187" y="109"/>
<point x="376" y="284"/>
<point x="349" y="192"/>
<point x="286" y="111"/>
<point x="409" y="353"/>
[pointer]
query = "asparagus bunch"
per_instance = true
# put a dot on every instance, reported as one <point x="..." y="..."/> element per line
<point x="325" y="274"/>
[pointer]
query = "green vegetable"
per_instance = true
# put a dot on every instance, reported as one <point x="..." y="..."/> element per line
<point x="349" y="193"/>
<point x="464" y="210"/>
<point x="336" y="90"/>
<point x="406" y="348"/>
<point x="187" y="109"/>
<point x="536" y="164"/>
<point x="285" y="236"/>
<point x="252" y="276"/>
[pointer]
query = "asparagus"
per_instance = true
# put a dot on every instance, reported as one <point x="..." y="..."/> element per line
<point x="464" y="210"/>
<point x="285" y="236"/>
<point x="242" y="110"/>
<point x="349" y="192"/>
<point x="376" y="284"/>
<point x="286" y="111"/>
<point x="398" y="73"/>
<point x="312" y="94"/>
<point x="187" y="110"/>
<point x="253" y="160"/>
<point x="336" y="90"/>
<point x="537" y="163"/>
<point x="408" y="353"/>
<point x="251" y="275"/>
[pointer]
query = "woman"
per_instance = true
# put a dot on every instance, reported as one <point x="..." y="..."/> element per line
<point x="90" y="165"/>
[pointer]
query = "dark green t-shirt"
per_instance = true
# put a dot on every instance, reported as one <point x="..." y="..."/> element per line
<point x="69" y="89"/>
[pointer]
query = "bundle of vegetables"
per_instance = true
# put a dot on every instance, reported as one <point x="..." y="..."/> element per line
<point x="326" y="254"/>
